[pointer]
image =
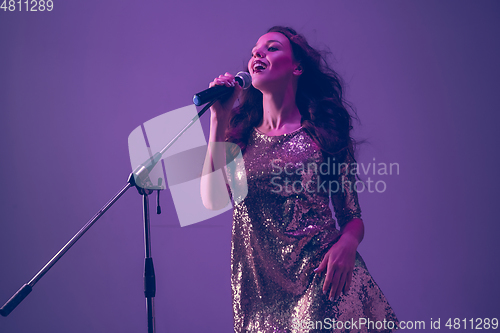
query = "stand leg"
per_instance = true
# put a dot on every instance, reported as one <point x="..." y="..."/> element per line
<point x="150" y="305"/>
<point x="149" y="271"/>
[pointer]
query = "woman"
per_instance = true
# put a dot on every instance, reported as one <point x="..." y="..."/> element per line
<point x="292" y="269"/>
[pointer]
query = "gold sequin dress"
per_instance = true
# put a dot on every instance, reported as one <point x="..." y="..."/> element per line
<point x="281" y="232"/>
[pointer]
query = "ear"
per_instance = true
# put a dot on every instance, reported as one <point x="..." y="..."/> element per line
<point x="298" y="70"/>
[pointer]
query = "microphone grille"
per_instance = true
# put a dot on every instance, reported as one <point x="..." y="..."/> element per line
<point x="245" y="79"/>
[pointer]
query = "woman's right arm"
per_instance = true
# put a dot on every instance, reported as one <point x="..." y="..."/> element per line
<point x="213" y="185"/>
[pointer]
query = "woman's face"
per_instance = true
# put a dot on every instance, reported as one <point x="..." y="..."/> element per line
<point x="272" y="62"/>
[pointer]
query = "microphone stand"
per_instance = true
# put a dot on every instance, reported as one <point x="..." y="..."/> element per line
<point x="139" y="179"/>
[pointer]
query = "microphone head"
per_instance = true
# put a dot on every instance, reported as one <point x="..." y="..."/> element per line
<point x="244" y="79"/>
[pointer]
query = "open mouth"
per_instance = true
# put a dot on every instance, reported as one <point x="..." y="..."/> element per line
<point x="258" y="66"/>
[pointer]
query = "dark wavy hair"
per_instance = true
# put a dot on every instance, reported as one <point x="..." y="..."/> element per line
<point x="319" y="98"/>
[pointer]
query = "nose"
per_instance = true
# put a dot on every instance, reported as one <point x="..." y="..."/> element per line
<point x="259" y="54"/>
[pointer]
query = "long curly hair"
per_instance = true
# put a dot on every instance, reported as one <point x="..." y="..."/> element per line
<point x="319" y="98"/>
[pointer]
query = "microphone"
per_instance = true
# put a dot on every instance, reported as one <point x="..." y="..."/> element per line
<point x="216" y="92"/>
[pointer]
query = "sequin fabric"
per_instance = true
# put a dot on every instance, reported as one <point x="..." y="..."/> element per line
<point x="281" y="231"/>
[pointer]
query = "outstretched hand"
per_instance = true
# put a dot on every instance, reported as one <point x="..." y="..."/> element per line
<point x="339" y="265"/>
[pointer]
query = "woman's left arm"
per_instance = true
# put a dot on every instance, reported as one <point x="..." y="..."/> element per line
<point x="339" y="260"/>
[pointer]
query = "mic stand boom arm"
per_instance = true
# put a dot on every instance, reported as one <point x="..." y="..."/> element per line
<point x="139" y="178"/>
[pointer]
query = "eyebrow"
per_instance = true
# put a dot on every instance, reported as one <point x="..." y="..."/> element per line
<point x="269" y="41"/>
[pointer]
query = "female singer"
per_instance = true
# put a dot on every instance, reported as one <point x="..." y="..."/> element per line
<point x="292" y="270"/>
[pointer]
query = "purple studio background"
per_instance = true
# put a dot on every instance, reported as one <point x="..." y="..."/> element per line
<point x="74" y="82"/>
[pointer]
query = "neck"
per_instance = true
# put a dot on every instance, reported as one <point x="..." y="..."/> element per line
<point x="280" y="109"/>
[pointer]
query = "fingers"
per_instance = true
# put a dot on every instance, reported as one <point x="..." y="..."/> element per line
<point x="321" y="266"/>
<point x="335" y="283"/>
<point x="223" y="106"/>
<point x="329" y="272"/>
<point x="337" y="279"/>
<point x="226" y="79"/>
<point x="348" y="282"/>
<point x="328" y="278"/>
<point x="335" y="292"/>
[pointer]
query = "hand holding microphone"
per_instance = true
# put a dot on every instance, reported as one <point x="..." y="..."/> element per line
<point x="222" y="87"/>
